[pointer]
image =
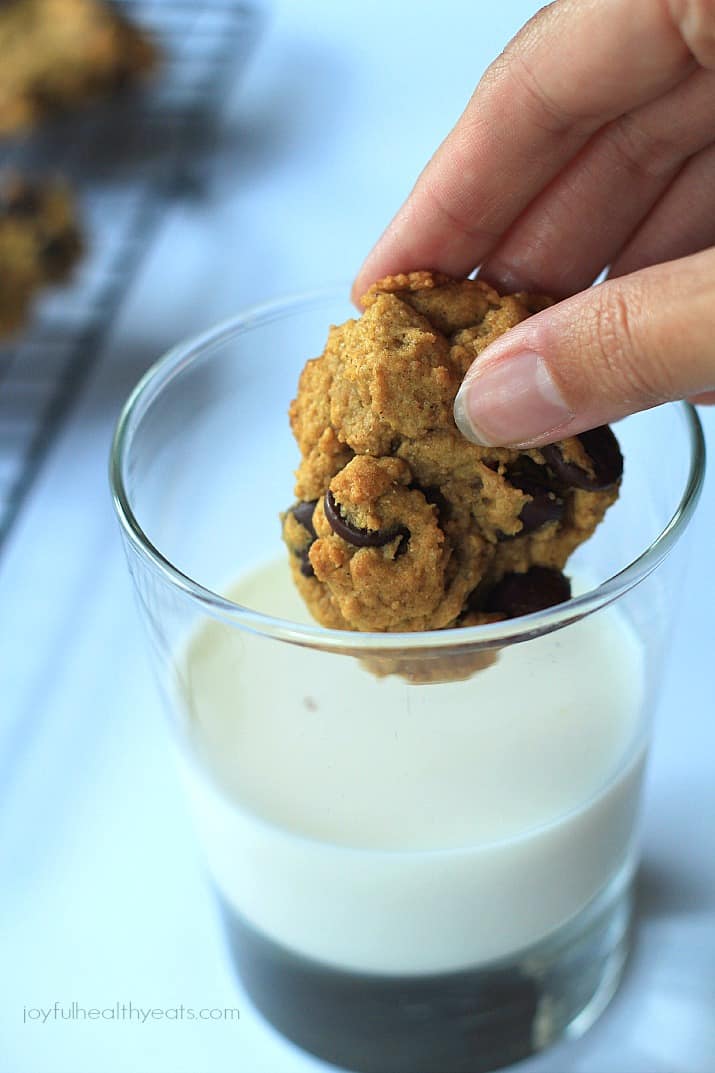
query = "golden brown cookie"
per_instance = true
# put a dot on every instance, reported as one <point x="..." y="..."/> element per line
<point x="58" y="54"/>
<point x="402" y="524"/>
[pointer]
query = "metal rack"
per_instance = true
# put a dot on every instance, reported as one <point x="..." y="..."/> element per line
<point x="124" y="158"/>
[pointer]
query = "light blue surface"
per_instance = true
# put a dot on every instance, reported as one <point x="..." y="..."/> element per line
<point x="103" y="898"/>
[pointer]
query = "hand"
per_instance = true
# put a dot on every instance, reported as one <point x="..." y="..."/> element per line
<point x="590" y="142"/>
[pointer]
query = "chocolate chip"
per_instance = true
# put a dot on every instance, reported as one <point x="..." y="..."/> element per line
<point x="605" y="456"/>
<point x="477" y="599"/>
<point x="404" y="542"/>
<point x="306" y="567"/>
<point x="522" y="594"/>
<point x="353" y="534"/>
<point x="59" y="251"/>
<point x="433" y="495"/>
<point x="120" y="79"/>
<point x="303" y="514"/>
<point x="45" y="100"/>
<point x="546" y="503"/>
<point x="544" y="506"/>
<point x="23" y="202"/>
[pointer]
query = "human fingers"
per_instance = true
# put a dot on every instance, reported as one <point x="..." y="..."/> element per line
<point x="528" y="116"/>
<point x="682" y="222"/>
<point x="582" y="220"/>
<point x="611" y="350"/>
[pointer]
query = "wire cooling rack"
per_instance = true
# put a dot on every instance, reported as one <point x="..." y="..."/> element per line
<point x="124" y="159"/>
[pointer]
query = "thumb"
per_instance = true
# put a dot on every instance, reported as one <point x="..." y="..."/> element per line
<point x="622" y="346"/>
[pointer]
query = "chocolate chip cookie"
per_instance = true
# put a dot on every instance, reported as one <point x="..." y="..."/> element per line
<point x="40" y="243"/>
<point x="58" y="54"/>
<point x="401" y="524"/>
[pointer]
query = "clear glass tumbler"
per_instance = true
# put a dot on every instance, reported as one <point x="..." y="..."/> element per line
<point x="423" y="843"/>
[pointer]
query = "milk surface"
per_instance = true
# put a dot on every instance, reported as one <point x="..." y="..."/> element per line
<point x="380" y="826"/>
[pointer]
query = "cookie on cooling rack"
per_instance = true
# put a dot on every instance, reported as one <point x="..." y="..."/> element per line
<point x="58" y="54"/>
<point x="40" y="243"/>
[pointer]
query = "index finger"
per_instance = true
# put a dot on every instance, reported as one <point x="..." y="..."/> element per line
<point x="574" y="66"/>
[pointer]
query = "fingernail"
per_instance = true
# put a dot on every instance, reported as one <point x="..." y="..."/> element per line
<point x="510" y="401"/>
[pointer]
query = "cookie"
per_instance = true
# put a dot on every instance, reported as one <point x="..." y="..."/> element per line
<point x="401" y="524"/>
<point x="40" y="243"/>
<point x="57" y="54"/>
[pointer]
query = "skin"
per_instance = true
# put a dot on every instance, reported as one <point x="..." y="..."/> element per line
<point x="589" y="144"/>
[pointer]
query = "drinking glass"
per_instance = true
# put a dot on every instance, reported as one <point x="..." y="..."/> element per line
<point x="423" y="843"/>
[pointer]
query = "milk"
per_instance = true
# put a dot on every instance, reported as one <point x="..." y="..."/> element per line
<point x="379" y="826"/>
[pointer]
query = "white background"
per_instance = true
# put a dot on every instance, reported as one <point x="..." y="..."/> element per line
<point x="103" y="899"/>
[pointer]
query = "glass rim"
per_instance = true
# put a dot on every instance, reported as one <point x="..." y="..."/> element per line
<point x="476" y="638"/>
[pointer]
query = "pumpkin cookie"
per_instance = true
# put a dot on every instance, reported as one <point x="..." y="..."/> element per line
<point x="401" y="524"/>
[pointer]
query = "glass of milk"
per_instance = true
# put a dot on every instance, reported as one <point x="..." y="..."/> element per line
<point x="423" y="844"/>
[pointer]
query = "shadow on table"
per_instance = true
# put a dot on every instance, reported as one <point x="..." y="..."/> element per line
<point x="666" y="891"/>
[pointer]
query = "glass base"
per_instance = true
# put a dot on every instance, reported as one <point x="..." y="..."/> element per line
<point x="469" y="1021"/>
